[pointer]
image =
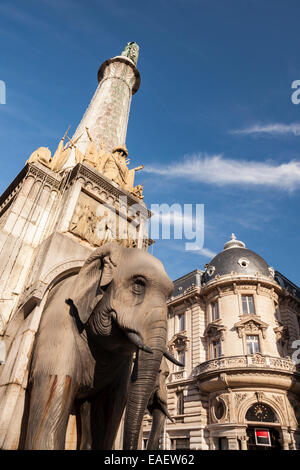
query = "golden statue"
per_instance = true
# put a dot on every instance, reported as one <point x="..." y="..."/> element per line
<point x="138" y="191"/>
<point x="115" y="167"/>
<point x="41" y="155"/>
<point x="61" y="154"/>
<point x="79" y="157"/>
<point x="91" y="155"/>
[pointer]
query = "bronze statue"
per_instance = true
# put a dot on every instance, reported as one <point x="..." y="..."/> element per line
<point x="131" y="51"/>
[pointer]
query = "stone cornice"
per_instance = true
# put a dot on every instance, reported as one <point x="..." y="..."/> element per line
<point x="35" y="170"/>
<point x="127" y="61"/>
<point x="100" y="182"/>
<point x="190" y="294"/>
<point x="238" y="280"/>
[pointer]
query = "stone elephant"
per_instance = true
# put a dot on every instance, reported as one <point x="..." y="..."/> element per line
<point x="92" y="325"/>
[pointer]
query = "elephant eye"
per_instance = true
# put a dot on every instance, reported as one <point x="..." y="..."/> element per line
<point x="138" y="286"/>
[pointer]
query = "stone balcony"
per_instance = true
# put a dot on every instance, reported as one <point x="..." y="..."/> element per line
<point x="255" y="361"/>
<point x="255" y="370"/>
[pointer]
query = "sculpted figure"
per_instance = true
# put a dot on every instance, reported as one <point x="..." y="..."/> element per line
<point x="91" y="155"/>
<point x="42" y="155"/>
<point x="115" y="166"/>
<point x="92" y="324"/>
<point x="131" y="51"/>
<point x="138" y="191"/>
<point x="61" y="154"/>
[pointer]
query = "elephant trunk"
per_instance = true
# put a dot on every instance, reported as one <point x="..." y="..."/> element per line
<point x="143" y="379"/>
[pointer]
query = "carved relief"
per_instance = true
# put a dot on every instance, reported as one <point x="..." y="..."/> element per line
<point x="239" y="398"/>
<point x="98" y="224"/>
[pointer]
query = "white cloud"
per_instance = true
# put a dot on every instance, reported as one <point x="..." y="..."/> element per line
<point x="215" y="169"/>
<point x="207" y="253"/>
<point x="271" y="129"/>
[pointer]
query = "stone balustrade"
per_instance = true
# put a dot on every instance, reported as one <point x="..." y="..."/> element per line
<point x="255" y="361"/>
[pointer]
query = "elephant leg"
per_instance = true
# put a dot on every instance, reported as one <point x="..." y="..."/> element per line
<point x="106" y="413"/>
<point x="84" y="417"/>
<point x="51" y="400"/>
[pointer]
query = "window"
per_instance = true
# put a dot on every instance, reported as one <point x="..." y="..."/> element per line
<point x="181" y="322"/>
<point x="180" y="444"/>
<point x="180" y="403"/>
<point x="261" y="412"/>
<point x="215" y="311"/>
<point x="223" y="443"/>
<point x="248" y="304"/>
<point x="216" y="347"/>
<point x="252" y="344"/>
<point x="181" y="356"/>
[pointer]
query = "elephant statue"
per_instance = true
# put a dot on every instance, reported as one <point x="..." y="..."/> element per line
<point x="157" y="406"/>
<point x="82" y="362"/>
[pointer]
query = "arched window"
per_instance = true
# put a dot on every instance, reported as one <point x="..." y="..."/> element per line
<point x="262" y="413"/>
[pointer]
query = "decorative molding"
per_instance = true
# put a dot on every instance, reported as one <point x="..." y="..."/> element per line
<point x="251" y="324"/>
<point x="179" y="340"/>
<point x="215" y="330"/>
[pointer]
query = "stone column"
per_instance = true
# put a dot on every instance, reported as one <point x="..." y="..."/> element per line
<point x="285" y="439"/>
<point x="244" y="440"/>
<point x="108" y="112"/>
<point x="233" y="443"/>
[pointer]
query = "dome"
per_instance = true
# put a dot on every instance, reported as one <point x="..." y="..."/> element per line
<point x="238" y="259"/>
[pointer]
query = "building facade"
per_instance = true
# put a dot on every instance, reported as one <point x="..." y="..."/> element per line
<point x="233" y="326"/>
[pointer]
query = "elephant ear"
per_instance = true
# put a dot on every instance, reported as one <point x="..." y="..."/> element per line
<point x="96" y="273"/>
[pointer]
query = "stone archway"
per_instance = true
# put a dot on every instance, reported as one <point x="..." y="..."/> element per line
<point x="264" y="430"/>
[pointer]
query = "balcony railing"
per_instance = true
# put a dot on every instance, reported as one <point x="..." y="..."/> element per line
<point x="255" y="361"/>
<point x="177" y="375"/>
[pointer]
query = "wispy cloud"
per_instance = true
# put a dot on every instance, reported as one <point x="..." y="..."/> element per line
<point x="207" y="253"/>
<point x="215" y="169"/>
<point x="275" y="129"/>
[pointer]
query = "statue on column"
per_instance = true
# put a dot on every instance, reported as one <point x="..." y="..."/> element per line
<point x="131" y="51"/>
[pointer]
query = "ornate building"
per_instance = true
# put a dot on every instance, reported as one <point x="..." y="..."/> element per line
<point x="233" y="327"/>
<point x="55" y="212"/>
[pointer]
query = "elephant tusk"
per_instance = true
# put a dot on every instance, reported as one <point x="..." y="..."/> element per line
<point x="165" y="411"/>
<point x="172" y="359"/>
<point x="136" y="340"/>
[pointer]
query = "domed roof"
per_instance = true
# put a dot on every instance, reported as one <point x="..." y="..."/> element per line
<point x="237" y="259"/>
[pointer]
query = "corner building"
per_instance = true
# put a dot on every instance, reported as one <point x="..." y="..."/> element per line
<point x="233" y="326"/>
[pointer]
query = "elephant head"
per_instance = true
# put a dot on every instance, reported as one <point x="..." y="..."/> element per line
<point x="120" y="295"/>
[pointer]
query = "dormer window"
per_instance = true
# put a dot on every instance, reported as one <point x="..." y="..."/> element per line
<point x="248" y="304"/>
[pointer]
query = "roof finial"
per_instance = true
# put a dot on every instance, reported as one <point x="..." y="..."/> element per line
<point x="234" y="243"/>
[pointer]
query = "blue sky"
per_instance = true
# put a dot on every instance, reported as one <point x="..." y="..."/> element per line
<point x="213" y="121"/>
